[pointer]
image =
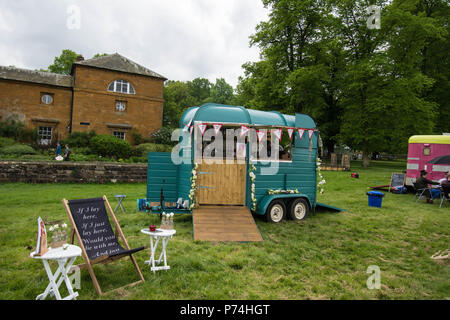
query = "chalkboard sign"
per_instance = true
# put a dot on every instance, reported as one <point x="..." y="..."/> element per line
<point x="91" y="220"/>
<point x="397" y="180"/>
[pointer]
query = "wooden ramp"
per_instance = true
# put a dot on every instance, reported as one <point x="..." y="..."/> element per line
<point x="224" y="223"/>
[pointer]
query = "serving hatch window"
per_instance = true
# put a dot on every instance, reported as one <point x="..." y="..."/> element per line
<point x="227" y="143"/>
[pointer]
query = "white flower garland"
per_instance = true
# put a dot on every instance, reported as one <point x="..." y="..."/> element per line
<point x="253" y="188"/>
<point x="193" y="185"/>
<point x="279" y="191"/>
<point x="322" y="181"/>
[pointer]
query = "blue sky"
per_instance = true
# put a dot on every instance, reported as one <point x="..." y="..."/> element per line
<point x="180" y="39"/>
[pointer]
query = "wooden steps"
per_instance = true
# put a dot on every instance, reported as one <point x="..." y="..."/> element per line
<point x="224" y="223"/>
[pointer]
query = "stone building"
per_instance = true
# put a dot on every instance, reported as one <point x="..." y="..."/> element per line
<point x="109" y="94"/>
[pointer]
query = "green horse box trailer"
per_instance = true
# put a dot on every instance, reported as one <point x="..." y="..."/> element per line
<point x="277" y="182"/>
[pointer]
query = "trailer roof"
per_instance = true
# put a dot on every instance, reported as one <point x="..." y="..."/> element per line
<point x="213" y="112"/>
<point x="430" y="139"/>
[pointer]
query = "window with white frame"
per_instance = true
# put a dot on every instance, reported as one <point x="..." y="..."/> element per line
<point x="121" y="86"/>
<point x="45" y="135"/>
<point x="46" y="98"/>
<point x="119" y="134"/>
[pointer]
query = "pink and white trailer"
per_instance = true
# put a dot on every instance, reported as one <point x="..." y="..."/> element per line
<point x="423" y="149"/>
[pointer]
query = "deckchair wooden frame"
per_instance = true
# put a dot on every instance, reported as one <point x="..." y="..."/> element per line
<point x="104" y="259"/>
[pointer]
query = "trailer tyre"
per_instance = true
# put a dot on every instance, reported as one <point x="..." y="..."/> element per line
<point x="298" y="209"/>
<point x="276" y="211"/>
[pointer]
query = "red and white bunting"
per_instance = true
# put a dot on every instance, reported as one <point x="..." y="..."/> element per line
<point x="186" y="126"/>
<point x="260" y="134"/>
<point x="217" y="127"/>
<point x="191" y="128"/>
<point x="310" y="133"/>
<point x="290" y="132"/>
<point x="202" y="128"/>
<point x="300" y="133"/>
<point x="278" y="133"/>
<point x="244" y="130"/>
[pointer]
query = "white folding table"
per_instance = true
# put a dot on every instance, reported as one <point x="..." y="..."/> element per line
<point x="65" y="259"/>
<point x="155" y="236"/>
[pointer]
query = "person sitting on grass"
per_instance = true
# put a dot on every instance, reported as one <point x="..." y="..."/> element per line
<point x="422" y="183"/>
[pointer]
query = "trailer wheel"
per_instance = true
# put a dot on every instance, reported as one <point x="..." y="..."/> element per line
<point x="298" y="209"/>
<point x="276" y="211"/>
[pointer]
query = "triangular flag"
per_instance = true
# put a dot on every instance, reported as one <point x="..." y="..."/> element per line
<point x="260" y="134"/>
<point x="301" y="132"/>
<point x="217" y="127"/>
<point x="244" y="130"/>
<point x="290" y="132"/>
<point x="310" y="133"/>
<point x="278" y="133"/>
<point x="186" y="126"/>
<point x="202" y="128"/>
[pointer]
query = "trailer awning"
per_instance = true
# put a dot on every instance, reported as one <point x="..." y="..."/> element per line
<point x="212" y="112"/>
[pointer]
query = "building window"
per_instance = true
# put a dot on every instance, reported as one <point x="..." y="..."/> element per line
<point x="119" y="134"/>
<point x="45" y="135"/>
<point x="121" y="86"/>
<point x="46" y="98"/>
<point x="121" y="106"/>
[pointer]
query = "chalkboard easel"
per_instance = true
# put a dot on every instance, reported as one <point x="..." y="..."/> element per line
<point x="397" y="180"/>
<point x="96" y="238"/>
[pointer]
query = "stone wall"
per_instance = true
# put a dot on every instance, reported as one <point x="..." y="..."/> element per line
<point x="93" y="172"/>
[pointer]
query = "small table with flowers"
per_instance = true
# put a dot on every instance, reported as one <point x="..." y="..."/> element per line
<point x="155" y="236"/>
<point x="65" y="259"/>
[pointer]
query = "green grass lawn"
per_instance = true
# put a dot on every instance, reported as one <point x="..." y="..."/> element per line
<point x="325" y="256"/>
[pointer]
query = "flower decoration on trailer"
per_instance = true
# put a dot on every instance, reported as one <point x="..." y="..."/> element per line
<point x="252" y="175"/>
<point x="279" y="191"/>
<point x="193" y="186"/>
<point x="322" y="181"/>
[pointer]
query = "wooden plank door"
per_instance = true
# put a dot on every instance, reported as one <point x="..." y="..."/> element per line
<point x="222" y="183"/>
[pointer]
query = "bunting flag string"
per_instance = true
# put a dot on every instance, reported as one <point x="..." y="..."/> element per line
<point x="301" y="131"/>
<point x="290" y="132"/>
<point x="202" y="128"/>
<point x="186" y="126"/>
<point x="278" y="133"/>
<point x="260" y="134"/>
<point x="217" y="127"/>
<point x="244" y="130"/>
<point x="310" y="133"/>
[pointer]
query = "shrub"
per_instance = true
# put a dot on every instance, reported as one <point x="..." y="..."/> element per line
<point x="15" y="129"/>
<point x="5" y="142"/>
<point x="18" y="149"/>
<point x="163" y="136"/>
<point x="79" y="139"/>
<point x="110" y="146"/>
<point x="144" y="148"/>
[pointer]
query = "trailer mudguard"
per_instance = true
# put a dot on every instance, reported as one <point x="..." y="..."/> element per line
<point x="267" y="199"/>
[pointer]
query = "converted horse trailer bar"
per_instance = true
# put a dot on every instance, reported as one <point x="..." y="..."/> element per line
<point x="289" y="191"/>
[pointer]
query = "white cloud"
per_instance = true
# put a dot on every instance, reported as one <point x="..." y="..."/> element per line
<point x="181" y="39"/>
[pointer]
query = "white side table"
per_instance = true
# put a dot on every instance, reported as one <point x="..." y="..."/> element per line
<point x="65" y="259"/>
<point x="164" y="235"/>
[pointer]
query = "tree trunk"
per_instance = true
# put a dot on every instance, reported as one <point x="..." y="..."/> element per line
<point x="366" y="159"/>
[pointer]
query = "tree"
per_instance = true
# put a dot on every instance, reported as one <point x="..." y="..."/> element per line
<point x="221" y="92"/>
<point x="200" y="89"/>
<point x="63" y="63"/>
<point x="177" y="99"/>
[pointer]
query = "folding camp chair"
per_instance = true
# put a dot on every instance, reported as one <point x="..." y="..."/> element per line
<point x="420" y="192"/>
<point x="445" y="194"/>
<point x="98" y="242"/>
